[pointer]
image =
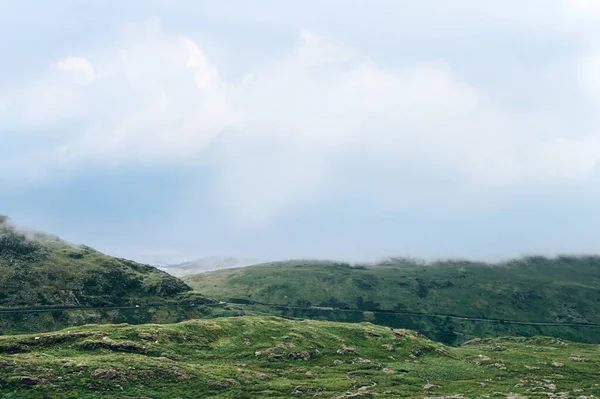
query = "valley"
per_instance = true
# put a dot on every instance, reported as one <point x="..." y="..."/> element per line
<point x="75" y="323"/>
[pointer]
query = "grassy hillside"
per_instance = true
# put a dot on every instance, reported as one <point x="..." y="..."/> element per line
<point x="250" y="357"/>
<point x="39" y="269"/>
<point x="562" y="289"/>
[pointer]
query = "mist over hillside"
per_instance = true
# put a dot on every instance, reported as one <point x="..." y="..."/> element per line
<point x="210" y="263"/>
<point x="41" y="269"/>
<point x="406" y="292"/>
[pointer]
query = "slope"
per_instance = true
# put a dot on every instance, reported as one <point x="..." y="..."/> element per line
<point x="249" y="357"/>
<point x="40" y="269"/>
<point x="561" y="289"/>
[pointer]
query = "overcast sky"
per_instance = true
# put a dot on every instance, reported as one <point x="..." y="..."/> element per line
<point x="163" y="130"/>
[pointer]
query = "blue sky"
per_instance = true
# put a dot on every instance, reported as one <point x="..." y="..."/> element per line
<point x="167" y="130"/>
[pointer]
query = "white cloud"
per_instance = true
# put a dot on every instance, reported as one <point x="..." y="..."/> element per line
<point x="324" y="110"/>
<point x="589" y="75"/>
<point x="584" y="5"/>
<point x="152" y="96"/>
<point x="80" y="67"/>
<point x="294" y="125"/>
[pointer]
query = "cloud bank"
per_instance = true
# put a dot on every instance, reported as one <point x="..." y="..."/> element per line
<point x="323" y="119"/>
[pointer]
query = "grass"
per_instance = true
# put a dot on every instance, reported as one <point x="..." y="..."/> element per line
<point x="268" y="357"/>
<point x="564" y="289"/>
<point x="39" y="269"/>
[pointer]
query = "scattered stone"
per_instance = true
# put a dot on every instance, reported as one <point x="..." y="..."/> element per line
<point x="557" y="364"/>
<point x="445" y="397"/>
<point x="276" y="348"/>
<point x="346" y="351"/>
<point x="576" y="359"/>
<point x="26" y="380"/>
<point x="428" y="387"/>
<point x="442" y="351"/>
<point x="500" y="366"/>
<point x="364" y="388"/>
<point x="373" y="334"/>
<point x="226" y="383"/>
<point x="253" y="374"/>
<point x="118" y="346"/>
<point x="388" y="371"/>
<point x="308" y="373"/>
<point x="247" y="341"/>
<point x="337" y="362"/>
<point x="360" y="360"/>
<point x="180" y="372"/>
<point x="515" y="396"/>
<point x="304" y="355"/>
<point x="388" y="347"/>
<point x="4" y="364"/>
<point x="106" y="374"/>
<point x="472" y="341"/>
<point x="353" y="395"/>
<point x="147" y="337"/>
<point x="404" y="333"/>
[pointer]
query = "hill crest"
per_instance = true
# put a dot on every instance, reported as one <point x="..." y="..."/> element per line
<point x="41" y="269"/>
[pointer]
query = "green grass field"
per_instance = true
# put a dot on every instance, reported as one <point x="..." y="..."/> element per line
<point x="268" y="357"/>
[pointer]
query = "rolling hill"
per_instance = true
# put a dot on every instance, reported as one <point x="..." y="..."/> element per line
<point x="268" y="357"/>
<point x="40" y="269"/>
<point x="564" y="289"/>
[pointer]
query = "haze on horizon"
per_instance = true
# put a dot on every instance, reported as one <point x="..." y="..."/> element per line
<point x="171" y="130"/>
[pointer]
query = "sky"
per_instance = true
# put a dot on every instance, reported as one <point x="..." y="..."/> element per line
<point x="164" y="131"/>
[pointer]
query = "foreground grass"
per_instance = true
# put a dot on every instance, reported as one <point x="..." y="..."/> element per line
<point x="268" y="357"/>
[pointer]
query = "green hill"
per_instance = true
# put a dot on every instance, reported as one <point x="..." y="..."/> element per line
<point x="267" y="357"/>
<point x="40" y="269"/>
<point x="564" y="289"/>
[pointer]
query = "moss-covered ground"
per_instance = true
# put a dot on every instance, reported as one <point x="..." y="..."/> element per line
<point x="268" y="357"/>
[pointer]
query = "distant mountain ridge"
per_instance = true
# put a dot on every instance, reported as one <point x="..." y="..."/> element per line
<point x="564" y="288"/>
<point x="209" y="263"/>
